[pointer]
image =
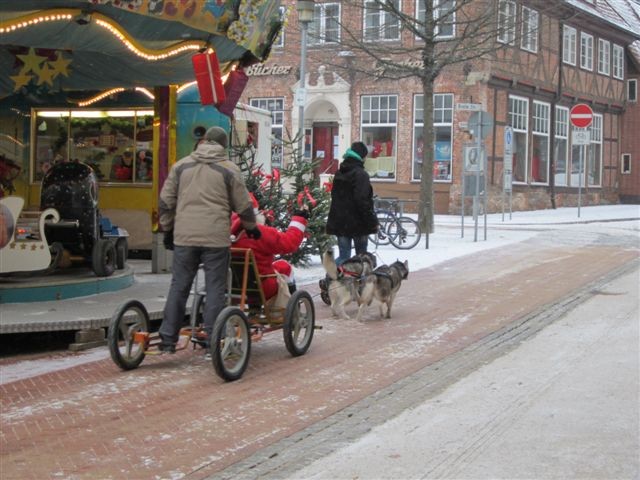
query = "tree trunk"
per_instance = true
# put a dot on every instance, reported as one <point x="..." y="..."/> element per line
<point x="425" y="216"/>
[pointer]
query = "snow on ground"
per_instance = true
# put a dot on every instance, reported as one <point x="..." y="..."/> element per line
<point x="445" y="244"/>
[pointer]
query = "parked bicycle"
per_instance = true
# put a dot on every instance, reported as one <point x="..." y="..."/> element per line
<point x="401" y="231"/>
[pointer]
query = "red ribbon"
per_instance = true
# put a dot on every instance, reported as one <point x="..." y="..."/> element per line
<point x="306" y="194"/>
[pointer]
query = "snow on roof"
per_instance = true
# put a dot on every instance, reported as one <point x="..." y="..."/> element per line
<point x="623" y="14"/>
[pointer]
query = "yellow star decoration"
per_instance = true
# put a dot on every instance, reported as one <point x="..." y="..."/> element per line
<point x="61" y="65"/>
<point x="31" y="61"/>
<point x="46" y="75"/>
<point x="20" y="80"/>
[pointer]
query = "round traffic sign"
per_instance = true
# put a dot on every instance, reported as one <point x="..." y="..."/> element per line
<point x="581" y="115"/>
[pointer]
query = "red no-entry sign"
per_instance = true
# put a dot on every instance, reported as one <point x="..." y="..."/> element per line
<point x="581" y="115"/>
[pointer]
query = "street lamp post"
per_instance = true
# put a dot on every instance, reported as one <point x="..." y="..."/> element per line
<point x="305" y="16"/>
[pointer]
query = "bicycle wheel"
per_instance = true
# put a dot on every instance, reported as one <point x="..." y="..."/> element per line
<point x="404" y="233"/>
<point x="384" y="220"/>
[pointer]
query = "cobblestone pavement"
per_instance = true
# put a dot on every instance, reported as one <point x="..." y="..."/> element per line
<point x="174" y="418"/>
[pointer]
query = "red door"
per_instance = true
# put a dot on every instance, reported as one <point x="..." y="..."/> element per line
<point x="325" y="148"/>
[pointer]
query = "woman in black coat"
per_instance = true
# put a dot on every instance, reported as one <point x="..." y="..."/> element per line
<point x="351" y="216"/>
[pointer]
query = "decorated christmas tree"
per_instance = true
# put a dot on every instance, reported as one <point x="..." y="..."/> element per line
<point x="283" y="191"/>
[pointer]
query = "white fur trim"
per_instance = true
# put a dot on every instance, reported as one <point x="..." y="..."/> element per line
<point x="299" y="225"/>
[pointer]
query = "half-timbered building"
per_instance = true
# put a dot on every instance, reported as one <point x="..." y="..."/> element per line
<point x="548" y="57"/>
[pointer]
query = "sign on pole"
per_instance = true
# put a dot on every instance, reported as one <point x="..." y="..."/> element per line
<point x="581" y="115"/>
<point x="580" y="137"/>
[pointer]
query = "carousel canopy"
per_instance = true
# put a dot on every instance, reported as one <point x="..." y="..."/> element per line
<point x="50" y="46"/>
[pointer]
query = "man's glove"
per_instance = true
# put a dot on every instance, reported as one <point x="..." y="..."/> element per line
<point x="168" y="239"/>
<point x="302" y="212"/>
<point x="253" y="233"/>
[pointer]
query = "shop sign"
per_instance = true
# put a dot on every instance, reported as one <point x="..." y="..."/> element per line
<point x="259" y="70"/>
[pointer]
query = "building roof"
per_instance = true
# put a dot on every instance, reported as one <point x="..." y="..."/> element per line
<point x="622" y="14"/>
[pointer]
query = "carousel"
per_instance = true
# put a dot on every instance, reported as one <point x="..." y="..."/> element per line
<point x="88" y="94"/>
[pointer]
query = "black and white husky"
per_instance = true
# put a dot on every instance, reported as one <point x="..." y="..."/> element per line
<point x="382" y="284"/>
<point x="343" y="283"/>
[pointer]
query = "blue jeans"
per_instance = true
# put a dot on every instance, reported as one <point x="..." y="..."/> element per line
<point x="184" y="269"/>
<point x="344" y="247"/>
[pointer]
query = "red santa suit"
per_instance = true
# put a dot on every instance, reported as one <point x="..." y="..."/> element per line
<point x="271" y="243"/>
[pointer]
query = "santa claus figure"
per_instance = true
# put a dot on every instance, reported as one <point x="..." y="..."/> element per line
<point x="272" y="242"/>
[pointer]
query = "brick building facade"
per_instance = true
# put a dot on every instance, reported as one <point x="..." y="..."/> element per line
<point x="577" y="51"/>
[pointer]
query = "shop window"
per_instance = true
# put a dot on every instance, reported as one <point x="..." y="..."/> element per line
<point x="529" y="40"/>
<point x="519" y="120"/>
<point x="507" y="22"/>
<point x="443" y="137"/>
<point x="561" y="145"/>
<point x="586" y="51"/>
<point x="379" y="118"/>
<point x="379" y="22"/>
<point x="569" y="38"/>
<point x="540" y="143"/>
<point x="275" y="105"/>
<point x="625" y="167"/>
<point x="618" y="62"/>
<point x="117" y="144"/>
<point x="325" y="27"/>
<point x="604" y="56"/>
<point x="594" y="158"/>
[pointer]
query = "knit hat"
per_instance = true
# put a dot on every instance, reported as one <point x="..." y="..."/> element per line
<point x="216" y="135"/>
<point x="360" y="148"/>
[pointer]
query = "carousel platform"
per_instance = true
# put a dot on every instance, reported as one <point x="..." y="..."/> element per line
<point x="77" y="299"/>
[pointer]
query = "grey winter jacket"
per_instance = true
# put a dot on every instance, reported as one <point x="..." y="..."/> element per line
<point x="198" y="196"/>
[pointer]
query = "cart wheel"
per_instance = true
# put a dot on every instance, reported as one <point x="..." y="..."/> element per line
<point x="130" y="318"/>
<point x="122" y="253"/>
<point x="230" y="344"/>
<point x="299" y="322"/>
<point x="103" y="257"/>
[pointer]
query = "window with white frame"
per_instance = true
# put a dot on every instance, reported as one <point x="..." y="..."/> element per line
<point x="586" y="51"/>
<point x="569" y="38"/>
<point x="442" y="132"/>
<point x="378" y="125"/>
<point x="279" y="42"/>
<point x="275" y="105"/>
<point x="618" y="62"/>
<point x="519" y="120"/>
<point x="625" y="166"/>
<point x="604" y="56"/>
<point x="507" y="21"/>
<point x="529" y="40"/>
<point x="540" y="143"/>
<point x="594" y="158"/>
<point x="444" y="13"/>
<point x="380" y="23"/>
<point x="325" y="27"/>
<point x="561" y="145"/>
<point x="632" y="90"/>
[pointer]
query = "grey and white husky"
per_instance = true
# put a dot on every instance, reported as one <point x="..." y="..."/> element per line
<point x="382" y="284"/>
<point x="343" y="283"/>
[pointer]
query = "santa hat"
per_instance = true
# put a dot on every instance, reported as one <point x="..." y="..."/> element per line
<point x="236" y="223"/>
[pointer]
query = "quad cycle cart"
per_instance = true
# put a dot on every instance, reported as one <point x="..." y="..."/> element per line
<point x="246" y="319"/>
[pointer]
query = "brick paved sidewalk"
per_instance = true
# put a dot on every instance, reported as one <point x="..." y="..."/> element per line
<point x="173" y="418"/>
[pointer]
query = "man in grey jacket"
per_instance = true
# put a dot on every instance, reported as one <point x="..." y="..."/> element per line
<point x="195" y="207"/>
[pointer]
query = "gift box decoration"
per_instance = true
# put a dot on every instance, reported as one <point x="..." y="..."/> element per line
<point x="207" y="71"/>
<point x="233" y="88"/>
